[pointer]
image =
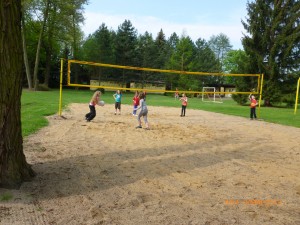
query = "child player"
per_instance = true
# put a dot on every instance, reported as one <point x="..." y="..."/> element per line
<point x="253" y="104"/>
<point x="117" y="96"/>
<point x="94" y="101"/>
<point x="184" y="101"/>
<point x="143" y="113"/>
<point x="136" y="102"/>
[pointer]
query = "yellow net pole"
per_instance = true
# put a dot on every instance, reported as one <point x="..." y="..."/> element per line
<point x="60" y="86"/>
<point x="297" y="95"/>
<point x="258" y="83"/>
<point x="69" y="72"/>
<point x="260" y="93"/>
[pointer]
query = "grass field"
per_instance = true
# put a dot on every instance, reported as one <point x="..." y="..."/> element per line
<point x="37" y="105"/>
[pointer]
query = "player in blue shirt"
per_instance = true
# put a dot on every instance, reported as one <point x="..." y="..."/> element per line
<point x="118" y="96"/>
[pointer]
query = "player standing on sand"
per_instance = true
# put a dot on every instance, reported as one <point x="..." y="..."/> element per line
<point x="117" y="96"/>
<point x="253" y="104"/>
<point x="184" y="101"/>
<point x="143" y="112"/>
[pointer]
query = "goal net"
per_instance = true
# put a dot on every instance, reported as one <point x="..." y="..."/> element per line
<point x="209" y="94"/>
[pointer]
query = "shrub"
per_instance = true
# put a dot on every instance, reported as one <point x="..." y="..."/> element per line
<point x="240" y="99"/>
<point x="289" y="100"/>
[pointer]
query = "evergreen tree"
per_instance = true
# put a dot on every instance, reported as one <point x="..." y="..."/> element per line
<point x="171" y="79"/>
<point x="172" y="42"/>
<point x="161" y="47"/>
<point x="98" y="47"/>
<point x="182" y="59"/>
<point x="273" y="42"/>
<point x="125" y="48"/>
<point x="162" y="55"/>
<point x="147" y="56"/>
<point x="205" y="61"/>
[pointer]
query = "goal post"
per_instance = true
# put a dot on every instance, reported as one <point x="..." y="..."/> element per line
<point x="159" y="73"/>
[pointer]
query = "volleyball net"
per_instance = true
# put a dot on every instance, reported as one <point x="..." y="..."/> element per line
<point x="130" y="78"/>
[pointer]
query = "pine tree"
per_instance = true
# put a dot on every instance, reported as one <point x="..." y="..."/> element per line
<point x="161" y="46"/>
<point x="125" y="47"/>
<point x="273" y="42"/>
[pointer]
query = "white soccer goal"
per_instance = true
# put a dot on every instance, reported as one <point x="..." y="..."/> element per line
<point x="209" y="95"/>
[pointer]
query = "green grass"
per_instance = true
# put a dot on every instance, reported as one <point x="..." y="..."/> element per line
<point x="6" y="197"/>
<point x="37" y="105"/>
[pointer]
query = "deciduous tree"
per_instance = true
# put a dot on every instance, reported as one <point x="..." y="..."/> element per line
<point x="13" y="166"/>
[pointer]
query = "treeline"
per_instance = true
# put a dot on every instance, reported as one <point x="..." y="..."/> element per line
<point x="271" y="43"/>
<point x="126" y="47"/>
<point x="55" y="33"/>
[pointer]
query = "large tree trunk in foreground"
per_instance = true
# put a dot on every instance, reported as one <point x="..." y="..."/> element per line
<point x="13" y="166"/>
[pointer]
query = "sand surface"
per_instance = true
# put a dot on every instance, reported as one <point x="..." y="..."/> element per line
<point x="205" y="168"/>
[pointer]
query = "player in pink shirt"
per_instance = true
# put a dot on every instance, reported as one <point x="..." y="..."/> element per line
<point x="136" y="102"/>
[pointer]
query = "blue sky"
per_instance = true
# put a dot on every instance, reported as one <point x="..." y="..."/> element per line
<point x="195" y="18"/>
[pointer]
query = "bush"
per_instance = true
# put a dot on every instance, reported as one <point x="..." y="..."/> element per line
<point x="43" y="87"/>
<point x="240" y="99"/>
<point x="289" y="100"/>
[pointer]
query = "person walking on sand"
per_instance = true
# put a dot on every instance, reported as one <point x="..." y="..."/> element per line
<point x="117" y="96"/>
<point x="184" y="101"/>
<point x="94" y="101"/>
<point x="136" y="102"/>
<point x="253" y="104"/>
<point x="143" y="113"/>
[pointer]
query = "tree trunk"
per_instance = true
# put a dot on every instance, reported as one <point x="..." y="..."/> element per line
<point x="37" y="56"/>
<point x="75" y="51"/>
<point x="267" y="102"/>
<point x="48" y="68"/>
<point x="13" y="166"/>
<point x="26" y="63"/>
<point x="49" y="45"/>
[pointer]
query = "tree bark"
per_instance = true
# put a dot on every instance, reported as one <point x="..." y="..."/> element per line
<point x="13" y="166"/>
